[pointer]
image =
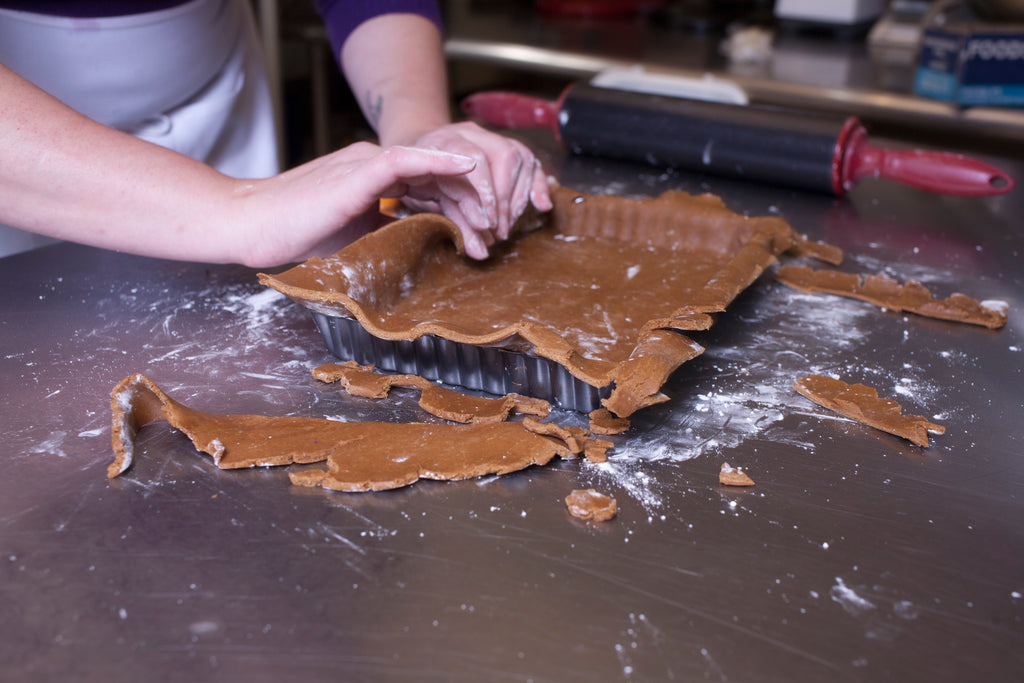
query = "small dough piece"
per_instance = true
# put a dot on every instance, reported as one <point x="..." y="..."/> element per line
<point x="576" y="439"/>
<point x="638" y="380"/>
<point x="733" y="476"/>
<point x="819" y="251"/>
<point x="603" y="422"/>
<point x="888" y="293"/>
<point x="361" y="380"/>
<point x="596" y="450"/>
<point x="861" y="403"/>
<point x="361" y="456"/>
<point x="311" y="478"/>
<point x="589" y="504"/>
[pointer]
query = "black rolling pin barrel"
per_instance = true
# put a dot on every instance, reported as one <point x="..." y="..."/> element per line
<point x="761" y="144"/>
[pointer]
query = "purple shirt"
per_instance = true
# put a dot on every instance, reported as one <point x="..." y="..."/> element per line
<point x="341" y="16"/>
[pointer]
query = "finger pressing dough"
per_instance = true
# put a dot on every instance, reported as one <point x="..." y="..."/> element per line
<point x="361" y="380"/>
<point x="361" y="456"/>
<point x="862" y="403"/>
<point x="890" y="294"/>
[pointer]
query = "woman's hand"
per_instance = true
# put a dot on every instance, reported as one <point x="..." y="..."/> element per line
<point x="396" y="67"/>
<point x="102" y="187"/>
<point x="319" y="207"/>
<point x="485" y="202"/>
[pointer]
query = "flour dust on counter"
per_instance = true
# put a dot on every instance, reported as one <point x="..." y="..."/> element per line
<point x="215" y="332"/>
<point x="741" y="388"/>
<point x="742" y="383"/>
<point x="258" y="323"/>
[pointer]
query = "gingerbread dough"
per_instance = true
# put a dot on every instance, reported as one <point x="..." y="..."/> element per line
<point x="603" y="422"/>
<point x="733" y="476"/>
<point x="361" y="456"/>
<point x="576" y="439"/>
<point x="602" y="289"/>
<point x="862" y="403"/>
<point x="589" y="504"/>
<point x="361" y="380"/>
<point x="890" y="294"/>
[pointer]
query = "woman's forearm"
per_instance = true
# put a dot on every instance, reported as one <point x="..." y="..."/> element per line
<point x="394" y="64"/>
<point x="66" y="176"/>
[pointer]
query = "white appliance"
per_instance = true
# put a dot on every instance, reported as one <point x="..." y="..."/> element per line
<point x="829" y="12"/>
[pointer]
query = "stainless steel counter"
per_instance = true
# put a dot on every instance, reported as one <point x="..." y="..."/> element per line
<point x="857" y="557"/>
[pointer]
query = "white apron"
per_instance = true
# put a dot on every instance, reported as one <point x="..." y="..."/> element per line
<point x="190" y="78"/>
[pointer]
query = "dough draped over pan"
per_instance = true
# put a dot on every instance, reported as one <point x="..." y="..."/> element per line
<point x="602" y="289"/>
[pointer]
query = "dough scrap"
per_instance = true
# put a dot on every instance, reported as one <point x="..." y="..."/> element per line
<point x="862" y="403"/>
<point x="574" y="438"/>
<point x="361" y="380"/>
<point x="596" y="450"/>
<point x="819" y="251"/>
<point x="590" y="504"/>
<point x="361" y="456"/>
<point x="733" y="476"/>
<point x="888" y="293"/>
<point x="602" y="289"/>
<point x="309" y="477"/>
<point x="578" y="440"/>
<point x="603" y="422"/>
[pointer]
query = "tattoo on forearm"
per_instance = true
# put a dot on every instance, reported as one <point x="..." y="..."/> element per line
<point x="374" y="105"/>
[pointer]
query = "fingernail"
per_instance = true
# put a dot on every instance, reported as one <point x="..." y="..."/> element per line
<point x="479" y="252"/>
<point x="466" y="162"/>
<point x="476" y="215"/>
<point x="472" y="245"/>
<point x="542" y="203"/>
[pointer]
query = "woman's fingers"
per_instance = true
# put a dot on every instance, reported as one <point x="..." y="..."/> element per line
<point x="331" y="200"/>
<point x="391" y="172"/>
<point x="497" y="191"/>
<point x="482" y="181"/>
<point x="416" y="171"/>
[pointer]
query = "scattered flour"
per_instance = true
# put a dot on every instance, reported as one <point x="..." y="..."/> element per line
<point x="54" y="445"/>
<point x="742" y="385"/>
<point x="848" y="599"/>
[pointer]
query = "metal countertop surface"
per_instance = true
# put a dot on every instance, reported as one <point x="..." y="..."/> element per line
<point x="856" y="557"/>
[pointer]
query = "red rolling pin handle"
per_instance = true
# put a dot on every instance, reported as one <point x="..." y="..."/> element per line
<point x="512" y="110"/>
<point x="939" y="172"/>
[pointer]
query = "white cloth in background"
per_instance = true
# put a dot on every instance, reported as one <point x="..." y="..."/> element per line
<point x="190" y="78"/>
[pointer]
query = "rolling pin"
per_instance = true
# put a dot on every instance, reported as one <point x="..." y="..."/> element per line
<point x="779" y="146"/>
